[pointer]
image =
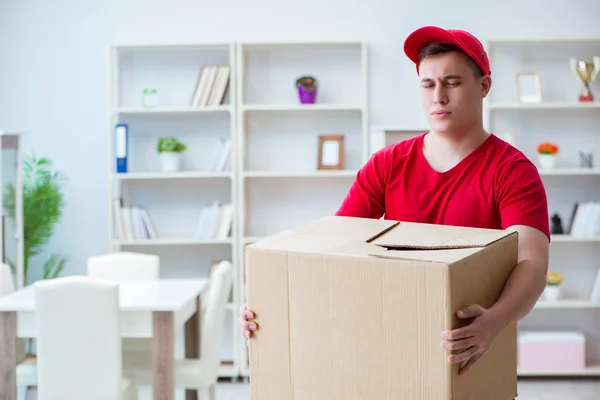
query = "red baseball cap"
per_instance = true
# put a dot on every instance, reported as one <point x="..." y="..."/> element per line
<point x="433" y="34"/>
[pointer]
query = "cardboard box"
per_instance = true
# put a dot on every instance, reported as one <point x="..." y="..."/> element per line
<point x="551" y="351"/>
<point x="353" y="309"/>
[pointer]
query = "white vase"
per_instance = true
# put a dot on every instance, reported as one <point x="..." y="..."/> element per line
<point x="169" y="161"/>
<point x="552" y="293"/>
<point x="547" y="161"/>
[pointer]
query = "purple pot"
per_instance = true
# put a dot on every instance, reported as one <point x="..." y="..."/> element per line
<point x="307" y="97"/>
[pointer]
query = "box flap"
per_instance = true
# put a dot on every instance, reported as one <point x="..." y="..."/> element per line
<point x="415" y="236"/>
<point x="439" y="255"/>
<point x="331" y="234"/>
<point x="365" y="229"/>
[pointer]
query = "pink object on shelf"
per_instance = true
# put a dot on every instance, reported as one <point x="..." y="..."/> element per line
<point x="551" y="350"/>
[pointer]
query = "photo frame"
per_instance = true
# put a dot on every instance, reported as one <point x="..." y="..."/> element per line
<point x="529" y="87"/>
<point x="331" y="152"/>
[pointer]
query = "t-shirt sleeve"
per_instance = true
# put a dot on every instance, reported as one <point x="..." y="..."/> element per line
<point x="366" y="197"/>
<point x="522" y="198"/>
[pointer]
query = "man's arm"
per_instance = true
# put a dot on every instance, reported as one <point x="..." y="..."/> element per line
<point x="527" y="281"/>
<point x="523" y="207"/>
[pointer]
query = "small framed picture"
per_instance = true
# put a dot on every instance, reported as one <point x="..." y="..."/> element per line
<point x="529" y="87"/>
<point x="331" y="152"/>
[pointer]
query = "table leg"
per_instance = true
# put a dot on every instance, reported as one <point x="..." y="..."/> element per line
<point x="163" y="357"/>
<point x="192" y="342"/>
<point x="8" y="355"/>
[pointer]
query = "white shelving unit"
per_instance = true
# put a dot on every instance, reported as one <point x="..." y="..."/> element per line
<point x="561" y="119"/>
<point x="12" y="239"/>
<point x="174" y="200"/>
<point x="280" y="185"/>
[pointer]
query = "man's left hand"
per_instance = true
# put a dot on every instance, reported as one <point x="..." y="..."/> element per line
<point x="472" y="342"/>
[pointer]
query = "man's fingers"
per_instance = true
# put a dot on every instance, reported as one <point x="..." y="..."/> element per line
<point x="249" y="325"/>
<point x="458" y="344"/>
<point x="457" y="334"/>
<point x="471" y="311"/>
<point x="463" y="355"/>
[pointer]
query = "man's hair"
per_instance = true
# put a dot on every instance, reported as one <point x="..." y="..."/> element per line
<point x="434" y="49"/>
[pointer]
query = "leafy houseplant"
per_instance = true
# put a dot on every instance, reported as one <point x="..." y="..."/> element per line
<point x="547" y="154"/>
<point x="43" y="204"/>
<point x="307" y="89"/>
<point x="169" y="150"/>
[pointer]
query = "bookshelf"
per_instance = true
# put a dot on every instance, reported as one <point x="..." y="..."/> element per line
<point x="273" y="156"/>
<point x="173" y="202"/>
<point x="559" y="118"/>
<point x="280" y="185"/>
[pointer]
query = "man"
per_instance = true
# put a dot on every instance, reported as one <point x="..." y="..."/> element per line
<point x="458" y="174"/>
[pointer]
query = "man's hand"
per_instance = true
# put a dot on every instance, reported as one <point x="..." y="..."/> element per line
<point x="470" y="343"/>
<point x="247" y="324"/>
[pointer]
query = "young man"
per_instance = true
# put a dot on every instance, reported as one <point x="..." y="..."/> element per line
<point x="458" y="174"/>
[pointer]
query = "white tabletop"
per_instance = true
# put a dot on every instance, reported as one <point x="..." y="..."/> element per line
<point x="150" y="295"/>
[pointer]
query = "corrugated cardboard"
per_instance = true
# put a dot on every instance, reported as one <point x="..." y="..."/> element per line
<point x="353" y="309"/>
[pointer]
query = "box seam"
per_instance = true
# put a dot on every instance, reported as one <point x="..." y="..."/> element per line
<point x="449" y="385"/>
<point x="287" y="262"/>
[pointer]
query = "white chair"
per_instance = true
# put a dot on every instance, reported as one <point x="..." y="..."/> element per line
<point x="79" y="341"/>
<point x="26" y="367"/>
<point x="124" y="265"/>
<point x="198" y="374"/>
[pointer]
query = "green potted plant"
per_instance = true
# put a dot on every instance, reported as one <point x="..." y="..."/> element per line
<point x="307" y="89"/>
<point x="169" y="150"/>
<point x="43" y="204"/>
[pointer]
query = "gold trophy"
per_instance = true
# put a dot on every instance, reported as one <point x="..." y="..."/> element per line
<point x="586" y="72"/>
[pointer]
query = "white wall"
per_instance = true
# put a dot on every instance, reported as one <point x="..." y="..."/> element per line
<point x="53" y="67"/>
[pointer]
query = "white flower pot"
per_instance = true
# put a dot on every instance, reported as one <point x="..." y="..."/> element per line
<point x="552" y="293"/>
<point x="547" y="161"/>
<point x="169" y="161"/>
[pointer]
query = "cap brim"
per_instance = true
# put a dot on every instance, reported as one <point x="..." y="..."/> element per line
<point x="422" y="36"/>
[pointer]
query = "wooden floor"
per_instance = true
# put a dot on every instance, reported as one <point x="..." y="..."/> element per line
<point x="529" y="389"/>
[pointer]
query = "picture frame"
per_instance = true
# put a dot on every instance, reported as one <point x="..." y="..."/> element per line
<point x="529" y="87"/>
<point x="331" y="152"/>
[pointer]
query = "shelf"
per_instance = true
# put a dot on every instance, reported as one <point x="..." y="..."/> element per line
<point x="570" y="172"/>
<point x="569" y="238"/>
<point x="172" y="110"/>
<point x="172" y="242"/>
<point x="301" y="107"/>
<point x="227" y="370"/>
<point x="566" y="303"/>
<point x="592" y="370"/>
<point x="299" y="174"/>
<point x="545" y="106"/>
<point x="172" y="175"/>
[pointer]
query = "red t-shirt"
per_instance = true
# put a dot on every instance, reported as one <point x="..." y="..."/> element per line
<point x="495" y="186"/>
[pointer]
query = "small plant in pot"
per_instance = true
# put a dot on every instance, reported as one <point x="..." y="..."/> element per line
<point x="553" y="282"/>
<point x="547" y="154"/>
<point x="307" y="89"/>
<point x="169" y="150"/>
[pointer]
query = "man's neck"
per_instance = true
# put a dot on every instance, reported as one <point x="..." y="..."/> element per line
<point x="443" y="150"/>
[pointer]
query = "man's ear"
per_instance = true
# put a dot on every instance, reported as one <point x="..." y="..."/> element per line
<point x="486" y="85"/>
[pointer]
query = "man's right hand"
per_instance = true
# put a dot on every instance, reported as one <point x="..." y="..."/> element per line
<point x="247" y="322"/>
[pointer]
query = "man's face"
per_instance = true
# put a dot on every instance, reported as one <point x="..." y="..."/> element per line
<point x="451" y="93"/>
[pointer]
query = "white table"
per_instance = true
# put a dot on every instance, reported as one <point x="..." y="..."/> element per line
<point x="149" y="309"/>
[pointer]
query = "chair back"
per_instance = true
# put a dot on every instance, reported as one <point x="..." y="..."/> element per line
<point x="7" y="283"/>
<point x="124" y="265"/>
<point x="79" y="339"/>
<point x="214" y="319"/>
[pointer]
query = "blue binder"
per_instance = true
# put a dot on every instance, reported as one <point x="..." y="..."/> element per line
<point x="121" y="149"/>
